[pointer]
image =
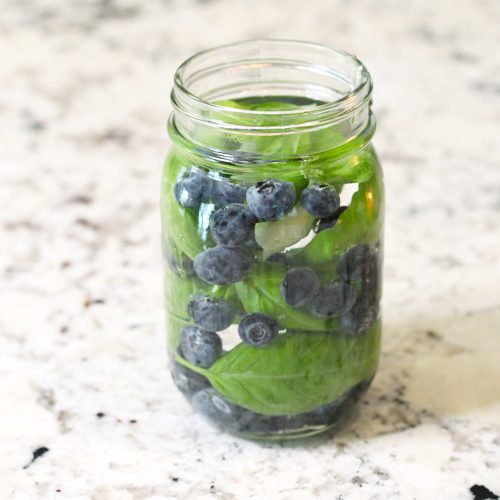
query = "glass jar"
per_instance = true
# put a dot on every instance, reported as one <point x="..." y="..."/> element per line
<point x="272" y="220"/>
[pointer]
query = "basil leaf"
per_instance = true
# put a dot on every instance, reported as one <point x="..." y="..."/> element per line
<point x="297" y="373"/>
<point x="292" y="172"/>
<point x="258" y="105"/>
<point x="277" y="235"/>
<point x="361" y="223"/>
<point x="173" y="328"/>
<point x="244" y="145"/>
<point x="178" y="290"/>
<point x="356" y="168"/>
<point x="260" y="292"/>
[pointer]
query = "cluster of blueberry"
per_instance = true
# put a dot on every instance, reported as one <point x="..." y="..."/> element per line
<point x="201" y="345"/>
<point x="232" y="228"/>
<point x="234" y="418"/>
<point x="237" y="209"/>
<point x="232" y="225"/>
<point x="353" y="297"/>
<point x="360" y="264"/>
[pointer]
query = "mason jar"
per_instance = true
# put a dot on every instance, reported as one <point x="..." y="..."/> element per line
<point x="272" y="222"/>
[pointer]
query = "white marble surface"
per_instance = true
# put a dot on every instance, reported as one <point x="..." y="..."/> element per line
<point x="83" y="103"/>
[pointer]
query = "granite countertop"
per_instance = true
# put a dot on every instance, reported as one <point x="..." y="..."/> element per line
<point x="85" y="97"/>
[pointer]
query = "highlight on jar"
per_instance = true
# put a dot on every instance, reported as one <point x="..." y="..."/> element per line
<point x="272" y="227"/>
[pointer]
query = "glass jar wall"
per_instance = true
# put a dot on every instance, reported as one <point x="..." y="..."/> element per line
<point x="272" y="222"/>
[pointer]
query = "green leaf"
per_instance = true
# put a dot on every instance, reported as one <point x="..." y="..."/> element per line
<point x="277" y="235"/>
<point x="297" y="373"/>
<point x="260" y="292"/>
<point x="293" y="172"/>
<point x="178" y="291"/>
<point x="262" y="144"/>
<point x="259" y="104"/>
<point x="356" y="168"/>
<point x="280" y="140"/>
<point x="173" y="328"/>
<point x="229" y="294"/>
<point x="361" y="223"/>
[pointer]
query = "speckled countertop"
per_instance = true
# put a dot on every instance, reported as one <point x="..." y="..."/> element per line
<point x="83" y="105"/>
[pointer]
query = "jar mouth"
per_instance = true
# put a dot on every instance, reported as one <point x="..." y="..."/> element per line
<point x="335" y="81"/>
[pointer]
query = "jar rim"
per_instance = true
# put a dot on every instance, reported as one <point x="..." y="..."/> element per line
<point x="196" y="106"/>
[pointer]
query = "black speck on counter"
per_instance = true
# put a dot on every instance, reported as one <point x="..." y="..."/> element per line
<point x="82" y="199"/>
<point x="480" y="492"/>
<point x="90" y="302"/>
<point x="357" y="480"/>
<point x="175" y="479"/>
<point x="100" y="414"/>
<point x="433" y="335"/>
<point x="37" y="454"/>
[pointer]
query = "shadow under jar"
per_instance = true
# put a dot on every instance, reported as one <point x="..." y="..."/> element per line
<point x="272" y="221"/>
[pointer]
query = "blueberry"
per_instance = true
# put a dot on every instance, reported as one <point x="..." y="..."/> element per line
<point x="272" y="199"/>
<point x="225" y="192"/>
<point x="186" y="380"/>
<point x="210" y="313"/>
<point x="365" y="310"/>
<point x="187" y="266"/>
<point x="329" y="222"/>
<point x="370" y="280"/>
<point x="171" y="261"/>
<point x="217" y="409"/>
<point x="370" y="286"/>
<point x="324" y="415"/>
<point x="222" y="265"/>
<point x="232" y="225"/>
<point x="257" y="329"/>
<point x="182" y="268"/>
<point x="299" y="286"/>
<point x="361" y="316"/>
<point x="213" y="406"/>
<point x="233" y="418"/>
<point x="191" y="188"/>
<point x="200" y="347"/>
<point x="333" y="299"/>
<point x="359" y="262"/>
<point x="320" y="201"/>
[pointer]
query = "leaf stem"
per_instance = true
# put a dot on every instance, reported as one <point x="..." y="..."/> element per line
<point x="194" y="368"/>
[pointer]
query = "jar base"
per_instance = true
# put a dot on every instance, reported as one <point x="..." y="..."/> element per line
<point x="293" y="435"/>
<point x="256" y="427"/>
